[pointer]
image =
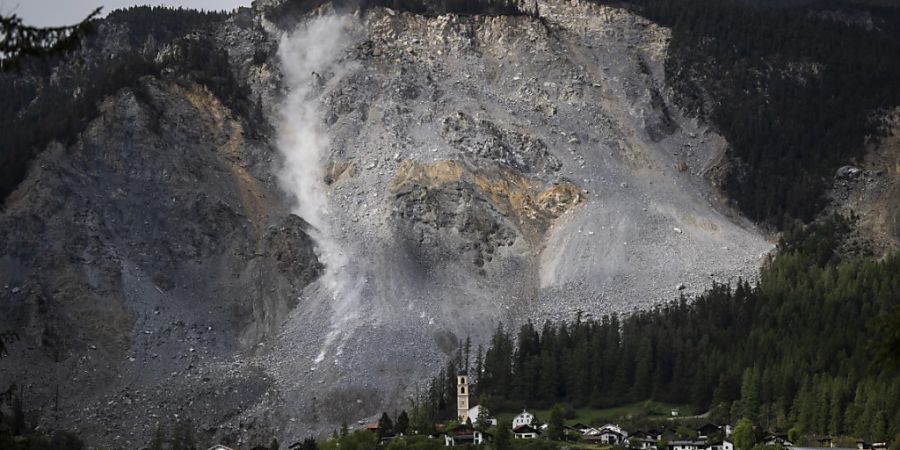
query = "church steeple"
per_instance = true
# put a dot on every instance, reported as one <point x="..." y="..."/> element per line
<point x="462" y="395"/>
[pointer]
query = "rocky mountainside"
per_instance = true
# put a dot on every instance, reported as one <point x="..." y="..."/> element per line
<point x="385" y="184"/>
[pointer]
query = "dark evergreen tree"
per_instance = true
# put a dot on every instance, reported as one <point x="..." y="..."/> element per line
<point x="385" y="425"/>
<point x="402" y="425"/>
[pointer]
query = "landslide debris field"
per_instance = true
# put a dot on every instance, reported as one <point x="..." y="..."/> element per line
<point x="468" y="170"/>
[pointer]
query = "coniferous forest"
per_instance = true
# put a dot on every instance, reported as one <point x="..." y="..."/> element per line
<point x="808" y="348"/>
<point x="796" y="91"/>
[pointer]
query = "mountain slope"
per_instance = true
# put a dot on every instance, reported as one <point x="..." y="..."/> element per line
<point x="469" y="169"/>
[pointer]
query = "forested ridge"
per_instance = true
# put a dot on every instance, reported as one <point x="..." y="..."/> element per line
<point x="797" y="351"/>
<point x="796" y="91"/>
<point x="45" y="101"/>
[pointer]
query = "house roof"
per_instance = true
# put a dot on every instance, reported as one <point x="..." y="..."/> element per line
<point x="614" y="428"/>
<point x="461" y="430"/>
<point x="525" y="429"/>
<point x="464" y="437"/>
<point x="652" y="434"/>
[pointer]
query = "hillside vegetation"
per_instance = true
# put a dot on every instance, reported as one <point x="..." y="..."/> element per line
<point x="796" y="351"/>
<point x="795" y="91"/>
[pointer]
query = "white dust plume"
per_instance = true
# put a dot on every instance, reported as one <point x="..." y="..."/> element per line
<point x="309" y="56"/>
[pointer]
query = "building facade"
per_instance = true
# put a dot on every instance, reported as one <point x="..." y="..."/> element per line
<point x="462" y="396"/>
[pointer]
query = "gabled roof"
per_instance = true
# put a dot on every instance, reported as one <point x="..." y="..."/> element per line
<point x="526" y="429"/>
<point x="462" y="429"/>
<point x="610" y="428"/>
<point x="644" y="434"/>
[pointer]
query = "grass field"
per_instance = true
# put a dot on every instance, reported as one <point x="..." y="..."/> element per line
<point x="599" y="416"/>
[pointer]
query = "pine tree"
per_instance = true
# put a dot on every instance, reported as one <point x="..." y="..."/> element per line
<point x="743" y="435"/>
<point x="309" y="444"/>
<point x="467" y="350"/>
<point x="183" y="436"/>
<point x="479" y="364"/>
<point x="503" y="439"/>
<point x="750" y="394"/>
<point x="643" y="368"/>
<point x="385" y="425"/>
<point x="402" y="424"/>
<point x="159" y="438"/>
<point x="556" y="423"/>
<point x="483" y="421"/>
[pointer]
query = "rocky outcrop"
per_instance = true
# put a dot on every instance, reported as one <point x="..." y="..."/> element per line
<point x="154" y="245"/>
<point x="483" y="139"/>
<point x="445" y="208"/>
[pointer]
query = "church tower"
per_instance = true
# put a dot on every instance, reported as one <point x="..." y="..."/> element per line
<point x="462" y="396"/>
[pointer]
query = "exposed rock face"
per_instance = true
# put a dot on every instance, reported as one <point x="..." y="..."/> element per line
<point x="483" y="139"/>
<point x="155" y="245"/>
<point x="496" y="168"/>
<point x="480" y="169"/>
<point x="872" y="194"/>
<point x="445" y="209"/>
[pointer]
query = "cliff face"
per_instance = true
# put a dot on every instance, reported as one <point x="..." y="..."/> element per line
<point x="156" y="240"/>
<point x="477" y="169"/>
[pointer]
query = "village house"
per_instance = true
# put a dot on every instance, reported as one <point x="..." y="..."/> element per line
<point x="777" y="439"/>
<point x="863" y="445"/>
<point x="612" y="435"/>
<point x="642" y="440"/>
<point x="708" y="430"/>
<point x="701" y="444"/>
<point x="472" y="416"/>
<point x="720" y="445"/>
<point x="524" y="418"/>
<point x="526" y="432"/>
<point x="464" y="435"/>
<point x="642" y="443"/>
<point x="581" y="427"/>
<point x="687" y="445"/>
